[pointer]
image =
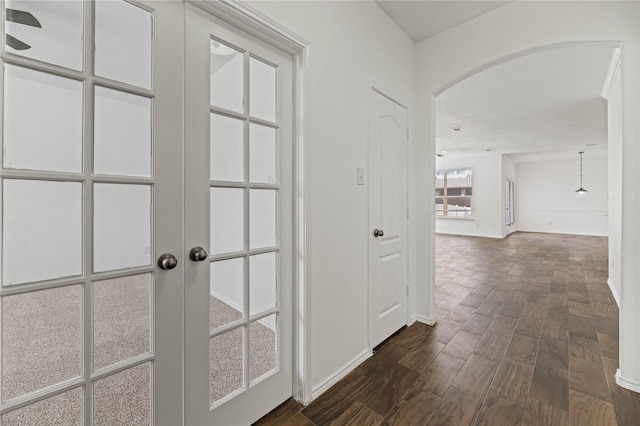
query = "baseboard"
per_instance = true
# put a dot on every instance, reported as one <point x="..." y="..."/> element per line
<point x="426" y="320"/>
<point x="627" y="384"/>
<point x="226" y="301"/>
<point x="270" y="324"/>
<point x="614" y="292"/>
<point x="468" y="234"/>
<point x="324" y="386"/>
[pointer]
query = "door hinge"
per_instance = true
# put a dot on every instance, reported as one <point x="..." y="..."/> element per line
<point x="407" y="211"/>
<point x="407" y="290"/>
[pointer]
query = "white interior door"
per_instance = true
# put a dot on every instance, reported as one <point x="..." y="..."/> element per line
<point x="238" y="342"/>
<point x="387" y="218"/>
<point x="91" y="96"/>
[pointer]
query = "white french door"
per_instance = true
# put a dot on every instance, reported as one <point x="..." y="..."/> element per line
<point x="238" y="227"/>
<point x="92" y="167"/>
<point x="146" y="232"/>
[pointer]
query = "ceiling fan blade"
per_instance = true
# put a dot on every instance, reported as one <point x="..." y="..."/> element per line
<point x="16" y="44"/>
<point x="22" y="17"/>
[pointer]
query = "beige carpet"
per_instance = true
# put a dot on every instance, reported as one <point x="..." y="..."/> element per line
<point x="226" y="352"/>
<point x="41" y="346"/>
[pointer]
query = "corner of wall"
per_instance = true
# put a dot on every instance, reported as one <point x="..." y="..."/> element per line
<point x="627" y="384"/>
<point x="340" y="374"/>
<point x="431" y="321"/>
<point x="614" y="292"/>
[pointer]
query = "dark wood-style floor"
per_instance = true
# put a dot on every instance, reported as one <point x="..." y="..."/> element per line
<point x="528" y="335"/>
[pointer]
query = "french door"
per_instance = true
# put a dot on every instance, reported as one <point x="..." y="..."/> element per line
<point x="239" y="210"/>
<point x="89" y="174"/>
<point x="126" y="251"/>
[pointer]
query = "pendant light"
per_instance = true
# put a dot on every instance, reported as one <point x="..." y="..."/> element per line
<point x="581" y="192"/>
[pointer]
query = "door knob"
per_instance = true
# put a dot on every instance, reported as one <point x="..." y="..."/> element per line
<point x="378" y="232"/>
<point x="198" y="254"/>
<point x="167" y="261"/>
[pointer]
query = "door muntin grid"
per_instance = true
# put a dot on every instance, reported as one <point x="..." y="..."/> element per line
<point x="256" y="180"/>
<point x="73" y="63"/>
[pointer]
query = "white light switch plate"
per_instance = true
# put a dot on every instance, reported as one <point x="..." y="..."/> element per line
<point x="360" y="175"/>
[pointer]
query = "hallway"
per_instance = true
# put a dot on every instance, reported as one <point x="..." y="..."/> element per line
<point x="527" y="335"/>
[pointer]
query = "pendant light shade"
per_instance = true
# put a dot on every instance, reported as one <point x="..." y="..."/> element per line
<point x="581" y="192"/>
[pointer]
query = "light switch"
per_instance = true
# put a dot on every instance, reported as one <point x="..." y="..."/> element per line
<point x="360" y="175"/>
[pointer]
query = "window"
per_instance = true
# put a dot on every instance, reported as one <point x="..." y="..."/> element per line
<point x="453" y="193"/>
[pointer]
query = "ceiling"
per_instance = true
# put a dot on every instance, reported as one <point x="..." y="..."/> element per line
<point x="543" y="102"/>
<point x="424" y="18"/>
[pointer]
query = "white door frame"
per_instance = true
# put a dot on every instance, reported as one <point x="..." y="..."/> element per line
<point x="259" y="25"/>
<point x="380" y="89"/>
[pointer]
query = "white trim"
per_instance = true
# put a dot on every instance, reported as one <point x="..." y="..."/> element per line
<point x="377" y="87"/>
<point x="431" y="321"/>
<point x="302" y="229"/>
<point x="256" y="23"/>
<point x="627" y="384"/>
<point x="341" y="374"/>
<point x="526" y="52"/>
<point x="612" y="73"/>
<point x="613" y="291"/>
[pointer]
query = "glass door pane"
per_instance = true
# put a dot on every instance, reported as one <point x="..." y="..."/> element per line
<point x="46" y="215"/>
<point x="263" y="89"/>
<point x="62" y="409"/>
<point x="227" y="77"/>
<point x="122" y="133"/>
<point x="123" y="398"/>
<point x="43" y="117"/>
<point x="122" y="236"/>
<point x="47" y="31"/>
<point x="122" y="304"/>
<point x="123" y="41"/>
<point x="229" y="139"/>
<point x="41" y="339"/>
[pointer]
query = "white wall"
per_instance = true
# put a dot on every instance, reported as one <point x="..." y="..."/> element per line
<point x="509" y="172"/>
<point x="486" y="202"/>
<point x="545" y="199"/>
<point x="510" y="30"/>
<point x="351" y="44"/>
<point x="546" y="195"/>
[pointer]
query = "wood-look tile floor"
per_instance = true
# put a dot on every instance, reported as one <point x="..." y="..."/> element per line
<point x="527" y="335"/>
